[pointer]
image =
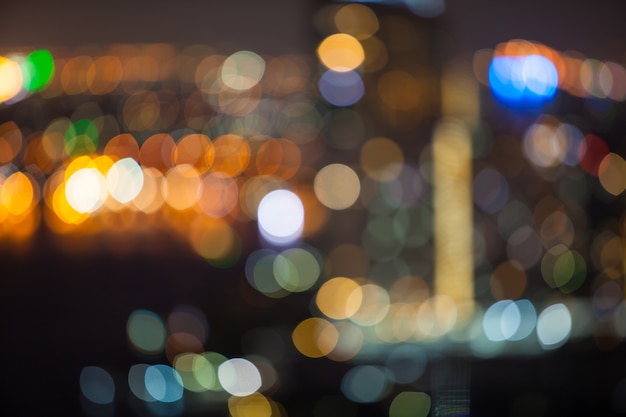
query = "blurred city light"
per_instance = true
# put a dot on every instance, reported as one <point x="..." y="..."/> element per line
<point x="364" y="214"/>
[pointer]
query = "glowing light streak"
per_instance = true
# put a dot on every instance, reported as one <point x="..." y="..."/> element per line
<point x="454" y="264"/>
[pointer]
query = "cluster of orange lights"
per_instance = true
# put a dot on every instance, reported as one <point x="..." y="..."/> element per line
<point x="127" y="68"/>
<point x="356" y="311"/>
<point x="222" y="153"/>
<point x="202" y="185"/>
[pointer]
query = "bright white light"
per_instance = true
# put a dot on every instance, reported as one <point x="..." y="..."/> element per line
<point x="281" y="217"/>
<point x="554" y="326"/>
<point x="124" y="180"/>
<point x="509" y="320"/>
<point x="527" y="319"/>
<point x="243" y="70"/>
<point x="539" y="75"/>
<point x="239" y="377"/>
<point x="85" y="190"/>
<point x="495" y="326"/>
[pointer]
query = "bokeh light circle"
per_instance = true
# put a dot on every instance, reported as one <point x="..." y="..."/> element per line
<point x="341" y="52"/>
<point x="410" y="404"/>
<point x="337" y="186"/>
<point x="146" y="331"/>
<point x="523" y="80"/>
<point x="315" y="337"/>
<point x="242" y="70"/>
<point x="382" y="159"/>
<point x="406" y="363"/>
<point x="281" y="217"/>
<point x="163" y="383"/>
<point x="11" y="76"/>
<point x="339" y="298"/>
<point x="239" y="377"/>
<point x="341" y="89"/>
<point x="365" y="384"/>
<point x="124" y="180"/>
<point x="97" y="385"/>
<point x="86" y="190"/>
<point x="296" y="269"/>
<point x="554" y="326"/>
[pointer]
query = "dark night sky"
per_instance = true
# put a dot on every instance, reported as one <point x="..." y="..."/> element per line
<point x="277" y="26"/>
<point x="595" y="28"/>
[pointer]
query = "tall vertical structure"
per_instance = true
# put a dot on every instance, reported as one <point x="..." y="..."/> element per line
<point x="452" y="180"/>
